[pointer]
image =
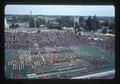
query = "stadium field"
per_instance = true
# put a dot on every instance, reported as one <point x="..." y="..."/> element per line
<point x="77" y="56"/>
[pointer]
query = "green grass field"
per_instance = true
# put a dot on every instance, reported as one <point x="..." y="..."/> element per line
<point x="84" y="56"/>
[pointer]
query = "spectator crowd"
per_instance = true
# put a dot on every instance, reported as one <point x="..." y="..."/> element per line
<point x="28" y="40"/>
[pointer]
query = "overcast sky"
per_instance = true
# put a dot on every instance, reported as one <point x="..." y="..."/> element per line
<point x="81" y="10"/>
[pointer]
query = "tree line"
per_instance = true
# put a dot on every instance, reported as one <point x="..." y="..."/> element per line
<point x="92" y="23"/>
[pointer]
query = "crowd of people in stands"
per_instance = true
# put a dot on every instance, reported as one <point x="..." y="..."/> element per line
<point x="43" y="39"/>
<point x="26" y="41"/>
<point x="107" y="45"/>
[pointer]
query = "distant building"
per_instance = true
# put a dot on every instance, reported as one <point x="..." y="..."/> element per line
<point x="101" y="21"/>
<point x="54" y="22"/>
<point x="76" y="19"/>
<point x="99" y="30"/>
<point x="6" y="24"/>
<point x="23" y="24"/>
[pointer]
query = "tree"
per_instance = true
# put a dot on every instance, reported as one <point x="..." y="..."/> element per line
<point x="31" y="23"/>
<point x="112" y="27"/>
<point x="40" y="21"/>
<point x="82" y="22"/>
<point x="104" y="30"/>
<point x="14" y="26"/>
<point x="66" y="21"/>
<point x="105" y="23"/>
<point x="14" y="19"/>
<point x="76" y="24"/>
<point x="81" y="19"/>
<point x="23" y="18"/>
<point x="96" y="23"/>
<point x="54" y="26"/>
<point x="89" y="23"/>
<point x="93" y="23"/>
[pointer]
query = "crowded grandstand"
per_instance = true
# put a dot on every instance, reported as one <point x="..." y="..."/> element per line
<point x="58" y="54"/>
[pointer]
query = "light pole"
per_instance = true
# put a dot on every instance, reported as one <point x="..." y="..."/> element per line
<point x="74" y="22"/>
<point x="35" y="22"/>
<point x="74" y="25"/>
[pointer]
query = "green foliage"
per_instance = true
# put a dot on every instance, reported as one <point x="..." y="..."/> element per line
<point x="40" y="21"/>
<point x="66" y="21"/>
<point x="31" y="23"/>
<point x="104" y="30"/>
<point x="89" y="23"/>
<point x="92" y="23"/>
<point x="53" y="26"/>
<point x="112" y="27"/>
<point x="96" y="23"/>
<point x="20" y="18"/>
<point x="14" y="26"/>
<point x="82" y="22"/>
<point x="105" y="23"/>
